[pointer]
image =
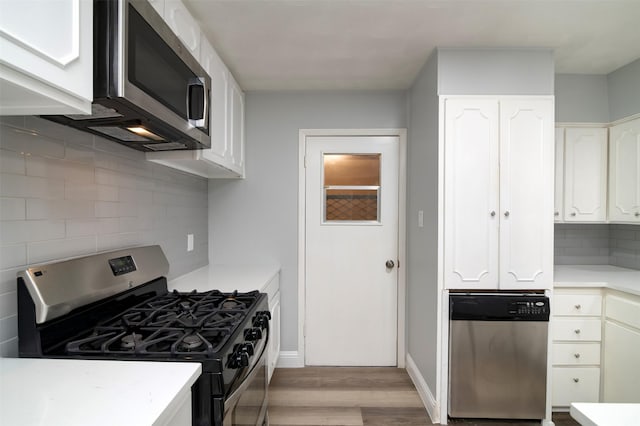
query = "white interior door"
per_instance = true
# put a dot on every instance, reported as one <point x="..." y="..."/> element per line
<point x="351" y="232"/>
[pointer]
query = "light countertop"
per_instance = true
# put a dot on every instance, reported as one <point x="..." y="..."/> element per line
<point x="228" y="278"/>
<point x="613" y="277"/>
<point x="604" y="414"/>
<point x="68" y="392"/>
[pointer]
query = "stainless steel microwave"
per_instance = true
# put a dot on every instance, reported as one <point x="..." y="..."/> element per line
<point x="150" y="93"/>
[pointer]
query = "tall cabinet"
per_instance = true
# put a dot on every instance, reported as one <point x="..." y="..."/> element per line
<point x="498" y="193"/>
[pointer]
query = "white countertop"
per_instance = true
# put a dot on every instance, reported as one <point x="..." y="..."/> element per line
<point x="604" y="414"/>
<point x="226" y="278"/>
<point x="622" y="279"/>
<point x="68" y="392"/>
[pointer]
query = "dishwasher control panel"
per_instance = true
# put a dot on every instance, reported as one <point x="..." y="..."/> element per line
<point x="499" y="307"/>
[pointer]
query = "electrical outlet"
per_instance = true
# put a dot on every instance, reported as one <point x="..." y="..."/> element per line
<point x="420" y="218"/>
<point x="189" y="242"/>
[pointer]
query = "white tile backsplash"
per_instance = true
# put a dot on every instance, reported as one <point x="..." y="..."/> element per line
<point x="66" y="193"/>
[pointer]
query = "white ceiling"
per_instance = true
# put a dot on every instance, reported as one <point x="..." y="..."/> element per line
<point x="382" y="44"/>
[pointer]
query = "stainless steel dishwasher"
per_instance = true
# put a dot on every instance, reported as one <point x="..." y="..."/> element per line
<point x="498" y="355"/>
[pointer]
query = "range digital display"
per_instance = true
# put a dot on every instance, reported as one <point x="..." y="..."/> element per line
<point x="122" y="265"/>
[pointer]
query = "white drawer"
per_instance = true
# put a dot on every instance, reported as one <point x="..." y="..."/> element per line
<point x="577" y="304"/>
<point x="579" y="329"/>
<point x="576" y="353"/>
<point x="575" y="384"/>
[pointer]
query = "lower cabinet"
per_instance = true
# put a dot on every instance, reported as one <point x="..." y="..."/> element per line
<point x="274" y="343"/>
<point x="576" y="327"/>
<point x="621" y="374"/>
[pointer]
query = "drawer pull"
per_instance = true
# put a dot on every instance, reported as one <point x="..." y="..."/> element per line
<point x="576" y="355"/>
<point x="576" y="380"/>
<point x="578" y="307"/>
<point x="577" y="331"/>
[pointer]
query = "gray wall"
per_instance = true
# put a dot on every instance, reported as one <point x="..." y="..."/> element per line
<point x="64" y="193"/>
<point x="624" y="246"/>
<point x="422" y="243"/>
<point x="624" y="91"/>
<point x="255" y="220"/>
<point x="582" y="98"/>
<point x="499" y="71"/>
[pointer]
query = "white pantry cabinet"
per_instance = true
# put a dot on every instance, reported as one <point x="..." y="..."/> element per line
<point x="624" y="172"/>
<point x="558" y="199"/>
<point x="621" y="348"/>
<point x="498" y="193"/>
<point x="585" y="175"/>
<point x="46" y="63"/>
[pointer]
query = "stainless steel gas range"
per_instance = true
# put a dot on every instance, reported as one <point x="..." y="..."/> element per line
<point x="116" y="306"/>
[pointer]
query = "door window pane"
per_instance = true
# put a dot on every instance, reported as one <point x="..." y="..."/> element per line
<point x="351" y="187"/>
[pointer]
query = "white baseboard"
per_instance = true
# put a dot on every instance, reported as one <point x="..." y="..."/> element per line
<point x="425" y="393"/>
<point x="290" y="359"/>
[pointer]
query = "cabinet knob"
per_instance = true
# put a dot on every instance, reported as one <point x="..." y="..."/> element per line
<point x="577" y="331"/>
<point x="637" y="214"/>
<point x="576" y="356"/>
<point x="556" y="214"/>
<point x="493" y="213"/>
<point x="578" y="306"/>
<point x="506" y="214"/>
<point x="576" y="380"/>
<point x="573" y="214"/>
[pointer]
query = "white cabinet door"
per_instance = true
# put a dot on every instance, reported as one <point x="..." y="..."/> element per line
<point x="624" y="172"/>
<point x="585" y="175"/>
<point x="621" y="355"/>
<point x="183" y="25"/>
<point x="47" y="57"/>
<point x="471" y="193"/>
<point x="219" y="119"/>
<point x="526" y="188"/>
<point x="236" y="108"/>
<point x="274" y="343"/>
<point x="558" y="199"/>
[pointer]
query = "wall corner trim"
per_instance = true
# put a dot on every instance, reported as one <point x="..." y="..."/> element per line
<point x="425" y="393"/>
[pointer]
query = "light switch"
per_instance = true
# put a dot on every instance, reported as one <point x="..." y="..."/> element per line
<point x="420" y="218"/>
<point x="189" y="242"/>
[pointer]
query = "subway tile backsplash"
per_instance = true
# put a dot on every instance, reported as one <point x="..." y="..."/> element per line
<point x="597" y="244"/>
<point x="66" y="193"/>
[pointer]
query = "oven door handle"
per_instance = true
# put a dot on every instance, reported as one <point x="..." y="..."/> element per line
<point x="232" y="399"/>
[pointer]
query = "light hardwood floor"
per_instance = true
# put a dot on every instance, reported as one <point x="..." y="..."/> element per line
<point x="319" y="396"/>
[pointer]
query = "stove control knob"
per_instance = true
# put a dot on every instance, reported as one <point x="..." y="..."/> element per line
<point x="251" y="334"/>
<point x="247" y="347"/>
<point x="239" y="359"/>
<point x="265" y="313"/>
<point x="261" y="321"/>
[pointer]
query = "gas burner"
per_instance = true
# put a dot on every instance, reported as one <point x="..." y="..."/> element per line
<point x="130" y="341"/>
<point x="232" y="303"/>
<point x="190" y="342"/>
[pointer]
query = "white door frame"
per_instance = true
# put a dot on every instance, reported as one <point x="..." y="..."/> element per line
<point x="402" y="259"/>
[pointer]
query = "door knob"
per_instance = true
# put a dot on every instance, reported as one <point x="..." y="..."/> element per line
<point x="390" y="264"/>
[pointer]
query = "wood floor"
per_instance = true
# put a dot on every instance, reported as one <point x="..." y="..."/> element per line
<point x="319" y="396"/>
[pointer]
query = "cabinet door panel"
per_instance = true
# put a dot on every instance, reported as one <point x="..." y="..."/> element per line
<point x="621" y="355"/>
<point x="526" y="188"/>
<point x="576" y="330"/>
<point x="571" y="384"/>
<point x="219" y="74"/>
<point x="585" y="175"/>
<point x="183" y="25"/>
<point x="471" y="194"/>
<point x="624" y="172"/>
<point x="237" y="126"/>
<point x="576" y="353"/>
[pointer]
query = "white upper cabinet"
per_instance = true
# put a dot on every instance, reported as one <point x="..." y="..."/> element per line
<point x="179" y="19"/>
<point x="585" y="175"/>
<point x="225" y="158"/>
<point x="558" y="199"/>
<point x="624" y="172"/>
<point x="498" y="202"/>
<point x="46" y="64"/>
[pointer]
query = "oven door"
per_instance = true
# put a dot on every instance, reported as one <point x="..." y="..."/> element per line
<point x="247" y="405"/>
